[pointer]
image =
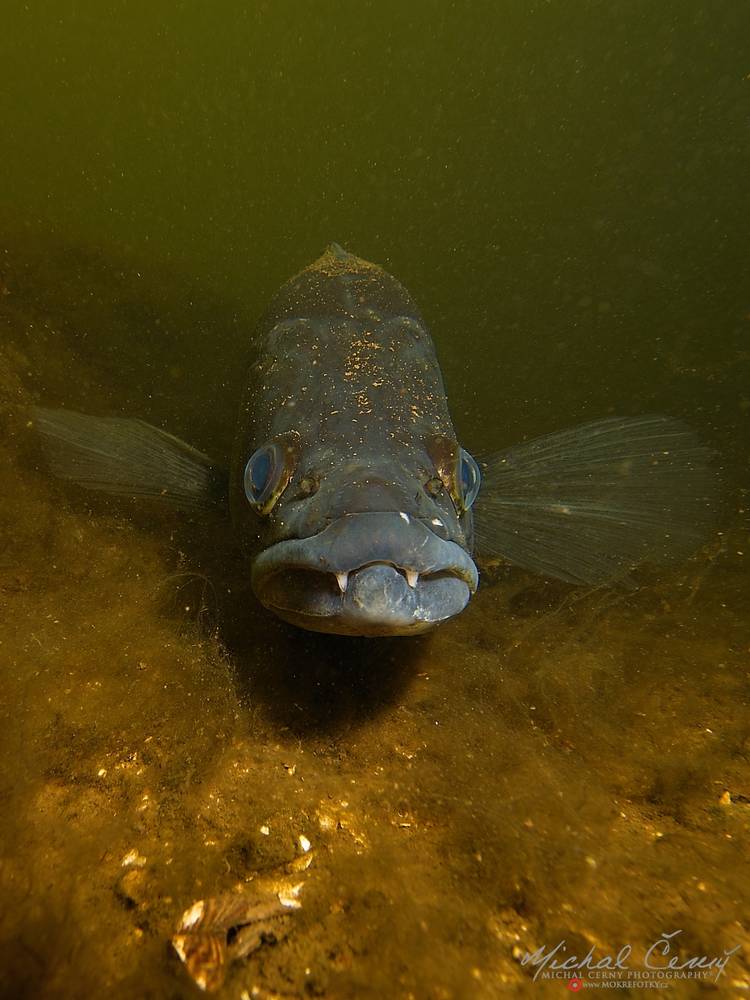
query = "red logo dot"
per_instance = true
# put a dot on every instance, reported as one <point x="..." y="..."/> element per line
<point x="575" y="984"/>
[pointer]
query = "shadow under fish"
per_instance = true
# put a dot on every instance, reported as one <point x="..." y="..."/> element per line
<point x="349" y="492"/>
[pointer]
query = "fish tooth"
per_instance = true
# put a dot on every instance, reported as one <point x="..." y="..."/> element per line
<point x="343" y="580"/>
<point x="411" y="577"/>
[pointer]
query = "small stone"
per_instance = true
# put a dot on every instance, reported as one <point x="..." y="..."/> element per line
<point x="132" y="890"/>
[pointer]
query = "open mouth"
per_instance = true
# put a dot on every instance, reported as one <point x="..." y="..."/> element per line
<point x="366" y="574"/>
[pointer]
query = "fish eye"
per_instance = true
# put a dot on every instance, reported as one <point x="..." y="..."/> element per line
<point x="470" y="479"/>
<point x="267" y="475"/>
<point x="259" y="470"/>
<point x="456" y="470"/>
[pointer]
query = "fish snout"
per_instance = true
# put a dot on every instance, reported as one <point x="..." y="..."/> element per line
<point x="366" y="574"/>
<point x="370" y="491"/>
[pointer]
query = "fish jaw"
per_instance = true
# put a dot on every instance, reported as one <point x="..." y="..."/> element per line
<point x="370" y="574"/>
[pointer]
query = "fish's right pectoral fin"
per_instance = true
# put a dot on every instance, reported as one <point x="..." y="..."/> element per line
<point x="126" y="457"/>
<point x="590" y="504"/>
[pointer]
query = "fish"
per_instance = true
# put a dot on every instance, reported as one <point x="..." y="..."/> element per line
<point x="358" y="509"/>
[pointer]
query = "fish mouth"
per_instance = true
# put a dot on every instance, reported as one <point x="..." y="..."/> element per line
<point x="372" y="574"/>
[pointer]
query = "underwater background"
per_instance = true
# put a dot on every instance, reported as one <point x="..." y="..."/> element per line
<point x="563" y="188"/>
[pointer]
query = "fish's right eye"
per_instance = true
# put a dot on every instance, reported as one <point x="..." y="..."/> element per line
<point x="267" y="475"/>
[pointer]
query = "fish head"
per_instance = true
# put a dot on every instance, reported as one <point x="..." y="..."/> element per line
<point x="349" y="490"/>
<point x="364" y="542"/>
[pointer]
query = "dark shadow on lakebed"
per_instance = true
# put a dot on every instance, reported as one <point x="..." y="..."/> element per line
<point x="322" y="685"/>
<point x="306" y="682"/>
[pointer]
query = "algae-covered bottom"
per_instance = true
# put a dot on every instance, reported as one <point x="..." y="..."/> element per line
<point x="552" y="765"/>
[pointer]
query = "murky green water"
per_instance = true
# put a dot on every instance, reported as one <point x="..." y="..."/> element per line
<point x="563" y="189"/>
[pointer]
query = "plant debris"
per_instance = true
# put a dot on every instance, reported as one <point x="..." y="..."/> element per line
<point x="213" y="933"/>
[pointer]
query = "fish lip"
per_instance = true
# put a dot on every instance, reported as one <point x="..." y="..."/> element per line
<point x="379" y="553"/>
<point x="379" y="601"/>
<point x="354" y="541"/>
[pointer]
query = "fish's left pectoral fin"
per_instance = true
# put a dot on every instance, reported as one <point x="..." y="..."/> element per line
<point x="126" y="457"/>
<point x="590" y="504"/>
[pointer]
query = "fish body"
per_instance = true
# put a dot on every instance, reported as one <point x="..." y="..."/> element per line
<point x="364" y="529"/>
<point x="350" y="492"/>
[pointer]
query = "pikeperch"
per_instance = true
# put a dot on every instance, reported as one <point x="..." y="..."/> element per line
<point x="350" y="492"/>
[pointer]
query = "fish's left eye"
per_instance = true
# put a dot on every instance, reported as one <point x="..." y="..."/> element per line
<point x="267" y="475"/>
<point x="470" y="479"/>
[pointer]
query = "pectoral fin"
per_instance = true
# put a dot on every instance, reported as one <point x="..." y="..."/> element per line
<point x="588" y="505"/>
<point x="126" y="457"/>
